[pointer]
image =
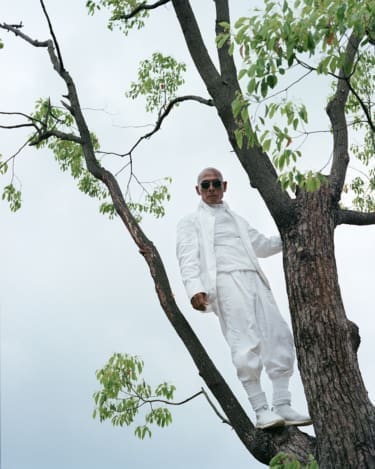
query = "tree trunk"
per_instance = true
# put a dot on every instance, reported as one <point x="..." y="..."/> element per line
<point x="326" y="341"/>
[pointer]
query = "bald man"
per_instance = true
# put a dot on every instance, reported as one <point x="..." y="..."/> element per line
<point x="217" y="252"/>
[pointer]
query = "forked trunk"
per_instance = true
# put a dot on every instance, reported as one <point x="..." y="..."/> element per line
<point x="326" y="341"/>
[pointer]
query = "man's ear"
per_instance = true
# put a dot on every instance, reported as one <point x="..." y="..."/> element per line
<point x="224" y="186"/>
<point x="197" y="190"/>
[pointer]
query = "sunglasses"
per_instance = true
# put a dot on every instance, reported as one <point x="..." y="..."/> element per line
<point x="216" y="183"/>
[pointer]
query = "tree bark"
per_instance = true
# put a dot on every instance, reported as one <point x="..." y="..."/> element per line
<point x="326" y="341"/>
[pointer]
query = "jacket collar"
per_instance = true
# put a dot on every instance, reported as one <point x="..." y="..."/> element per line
<point x="211" y="209"/>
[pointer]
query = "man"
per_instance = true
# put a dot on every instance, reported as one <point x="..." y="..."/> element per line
<point x="217" y="251"/>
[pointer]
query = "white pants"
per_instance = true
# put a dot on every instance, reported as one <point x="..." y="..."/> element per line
<point x="253" y="327"/>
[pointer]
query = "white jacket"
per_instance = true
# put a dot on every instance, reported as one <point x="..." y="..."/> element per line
<point x="196" y="254"/>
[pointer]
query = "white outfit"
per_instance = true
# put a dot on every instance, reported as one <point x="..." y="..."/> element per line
<point x="217" y="251"/>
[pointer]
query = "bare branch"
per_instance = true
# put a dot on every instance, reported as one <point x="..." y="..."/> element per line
<point x="365" y="109"/>
<point x="26" y="116"/>
<point x="163" y="115"/>
<point x="221" y="417"/>
<point x="336" y="113"/>
<point x="16" y="126"/>
<point x="15" y="30"/>
<point x="352" y="217"/>
<point x="52" y="34"/>
<point x="142" y="7"/>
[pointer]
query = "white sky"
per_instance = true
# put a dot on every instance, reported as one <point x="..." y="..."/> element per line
<point x="74" y="289"/>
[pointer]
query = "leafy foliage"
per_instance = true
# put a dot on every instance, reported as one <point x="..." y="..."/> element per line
<point x="118" y="9"/>
<point x="124" y="393"/>
<point x="158" y="80"/>
<point x="153" y="201"/>
<point x="274" y="44"/>
<point x="69" y="155"/>
<point x="10" y="193"/>
<point x="12" y="196"/>
<point x="286" y="461"/>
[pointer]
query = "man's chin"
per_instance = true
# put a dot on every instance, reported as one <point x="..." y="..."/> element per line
<point x="213" y="200"/>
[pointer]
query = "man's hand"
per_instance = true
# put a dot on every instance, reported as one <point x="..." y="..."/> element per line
<point x="199" y="301"/>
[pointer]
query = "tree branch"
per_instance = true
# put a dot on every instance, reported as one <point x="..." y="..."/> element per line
<point x="55" y="133"/>
<point x="336" y="113"/>
<point x="26" y="116"/>
<point x="196" y="46"/>
<point x="352" y="217"/>
<point x="227" y="65"/>
<point x="363" y="106"/>
<point x="16" y="126"/>
<point x="152" y="400"/>
<point x="15" y="30"/>
<point x="164" y="114"/>
<point x="142" y="7"/>
<point x="221" y="417"/>
<point x="52" y="34"/>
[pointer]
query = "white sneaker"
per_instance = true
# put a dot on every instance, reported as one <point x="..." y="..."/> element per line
<point x="266" y="418"/>
<point x="291" y="417"/>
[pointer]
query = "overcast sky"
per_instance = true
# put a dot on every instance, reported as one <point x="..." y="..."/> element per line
<point x="74" y="289"/>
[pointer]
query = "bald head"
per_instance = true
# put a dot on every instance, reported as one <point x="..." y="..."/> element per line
<point x="205" y="171"/>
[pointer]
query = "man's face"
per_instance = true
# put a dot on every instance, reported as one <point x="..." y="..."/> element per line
<point x="211" y="187"/>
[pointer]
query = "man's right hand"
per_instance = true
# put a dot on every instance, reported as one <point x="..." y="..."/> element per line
<point x="199" y="301"/>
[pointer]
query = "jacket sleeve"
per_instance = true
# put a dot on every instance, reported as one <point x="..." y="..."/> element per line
<point x="264" y="246"/>
<point x="187" y="251"/>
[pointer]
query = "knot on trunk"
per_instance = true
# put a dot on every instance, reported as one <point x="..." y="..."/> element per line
<point x="354" y="336"/>
<point x="305" y="253"/>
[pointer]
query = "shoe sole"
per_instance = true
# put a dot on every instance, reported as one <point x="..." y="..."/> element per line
<point x="296" y="423"/>
<point x="273" y="424"/>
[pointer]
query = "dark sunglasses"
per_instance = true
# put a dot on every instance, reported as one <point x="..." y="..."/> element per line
<point x="216" y="183"/>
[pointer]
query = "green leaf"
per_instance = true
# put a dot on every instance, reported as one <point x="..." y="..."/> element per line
<point x="221" y="39"/>
<point x="266" y="145"/>
<point x="238" y="133"/>
<point x="242" y="73"/>
<point x="263" y="88"/>
<point x="272" y="81"/>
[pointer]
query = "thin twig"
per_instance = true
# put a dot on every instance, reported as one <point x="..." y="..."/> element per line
<point x="223" y="419"/>
<point x="16" y="126"/>
<point x="3" y="163"/>
<point x="363" y="106"/>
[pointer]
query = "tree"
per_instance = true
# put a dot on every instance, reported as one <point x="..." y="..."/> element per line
<point x="305" y="207"/>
